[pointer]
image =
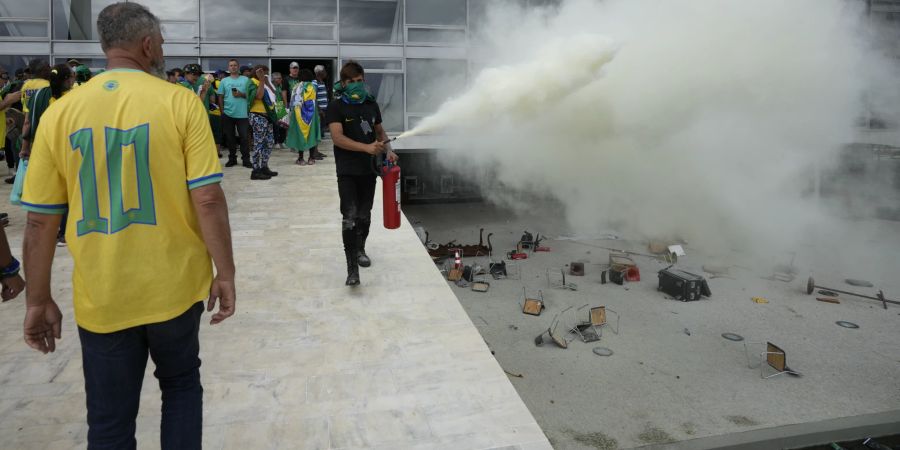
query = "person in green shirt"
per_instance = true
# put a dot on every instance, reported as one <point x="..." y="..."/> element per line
<point x="197" y="82"/>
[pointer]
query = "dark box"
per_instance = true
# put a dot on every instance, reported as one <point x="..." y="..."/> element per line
<point x="681" y="285"/>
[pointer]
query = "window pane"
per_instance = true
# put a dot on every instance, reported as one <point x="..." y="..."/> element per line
<point x="34" y="9"/>
<point x="235" y="20"/>
<point x="431" y="81"/>
<point x="23" y="29"/>
<point x="11" y="63"/>
<point x="305" y="10"/>
<point x="377" y="64"/>
<point x="303" y="32"/>
<point x="437" y="36"/>
<point x="388" y="91"/>
<point x="179" y="31"/>
<point x="371" y="22"/>
<point x="436" y="12"/>
<point x="77" y="19"/>
<point x="172" y="9"/>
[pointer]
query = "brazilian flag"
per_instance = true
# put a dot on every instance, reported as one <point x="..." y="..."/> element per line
<point x="304" y="131"/>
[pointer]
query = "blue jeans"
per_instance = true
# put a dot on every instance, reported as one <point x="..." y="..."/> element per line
<point x="114" y="365"/>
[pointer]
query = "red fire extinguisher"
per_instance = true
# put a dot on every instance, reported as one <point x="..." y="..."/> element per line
<point x="390" y="183"/>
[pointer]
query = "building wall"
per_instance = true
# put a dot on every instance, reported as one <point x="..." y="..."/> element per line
<point x="407" y="46"/>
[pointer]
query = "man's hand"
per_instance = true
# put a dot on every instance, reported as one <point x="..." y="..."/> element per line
<point x="392" y="157"/>
<point x="375" y="148"/>
<point x="223" y="291"/>
<point x="43" y="326"/>
<point x="12" y="286"/>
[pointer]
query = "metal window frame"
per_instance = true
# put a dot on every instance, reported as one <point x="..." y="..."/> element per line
<point x="26" y="20"/>
<point x="276" y="40"/>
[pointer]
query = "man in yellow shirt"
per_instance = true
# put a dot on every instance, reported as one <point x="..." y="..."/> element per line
<point x="132" y="159"/>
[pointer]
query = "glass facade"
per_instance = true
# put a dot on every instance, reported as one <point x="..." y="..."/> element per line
<point x="414" y="51"/>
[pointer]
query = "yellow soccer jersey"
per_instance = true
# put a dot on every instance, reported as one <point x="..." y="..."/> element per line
<point x="121" y="154"/>
<point x="29" y="88"/>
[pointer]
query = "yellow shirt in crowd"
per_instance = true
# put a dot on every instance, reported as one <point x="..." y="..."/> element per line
<point x="257" y="106"/>
<point x="29" y="88"/>
<point x="121" y="154"/>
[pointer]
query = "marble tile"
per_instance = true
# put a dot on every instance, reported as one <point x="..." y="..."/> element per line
<point x="305" y="362"/>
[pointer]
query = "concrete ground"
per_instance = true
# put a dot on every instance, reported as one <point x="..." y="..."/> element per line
<point x="305" y="362"/>
<point x="673" y="381"/>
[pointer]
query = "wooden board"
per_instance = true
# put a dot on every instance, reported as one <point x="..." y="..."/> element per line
<point x="598" y="315"/>
<point x="533" y="307"/>
<point x="775" y="357"/>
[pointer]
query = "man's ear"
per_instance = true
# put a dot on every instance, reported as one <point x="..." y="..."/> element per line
<point x="147" y="47"/>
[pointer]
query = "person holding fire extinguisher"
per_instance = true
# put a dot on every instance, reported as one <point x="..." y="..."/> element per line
<point x="354" y="120"/>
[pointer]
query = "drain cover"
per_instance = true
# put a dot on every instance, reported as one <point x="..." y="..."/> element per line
<point x="733" y="337"/>
<point x="846" y="324"/>
<point x="602" y="351"/>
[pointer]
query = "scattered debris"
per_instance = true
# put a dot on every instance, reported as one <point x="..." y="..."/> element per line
<point x="828" y="293"/>
<point x="681" y="285"/>
<point x="443" y="251"/>
<point x="829" y="300"/>
<point x="860" y="283"/>
<point x="759" y="300"/>
<point x="559" y="281"/>
<point x="784" y="272"/>
<point x="517" y="375"/>
<point x="462" y="283"/>
<point x="497" y="270"/>
<point x="576" y="269"/>
<point x="482" y="319"/>
<point x="775" y="358"/>
<point x="687" y="332"/>
<point x="533" y="306"/>
<point x="733" y="337"/>
<point x="558" y="340"/>
<point x="811" y="286"/>
<point x="513" y="327"/>
<point x="481" y="286"/>
<point x="602" y="351"/>
<point x="845" y="324"/>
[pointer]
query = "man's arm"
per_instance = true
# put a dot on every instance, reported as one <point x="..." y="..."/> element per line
<point x="382" y="136"/>
<point x="42" y="316"/>
<point x="10" y="100"/>
<point x="337" y="135"/>
<point x="212" y="212"/>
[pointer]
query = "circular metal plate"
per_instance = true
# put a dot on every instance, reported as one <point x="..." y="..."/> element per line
<point x="860" y="283"/>
<point x="846" y="324"/>
<point x="602" y="351"/>
<point x="828" y="293"/>
<point x="733" y="337"/>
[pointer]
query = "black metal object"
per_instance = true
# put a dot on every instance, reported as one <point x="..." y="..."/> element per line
<point x="812" y="286"/>
<point x="681" y="285"/>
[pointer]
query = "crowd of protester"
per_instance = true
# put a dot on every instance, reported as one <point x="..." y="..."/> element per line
<point x="142" y="274"/>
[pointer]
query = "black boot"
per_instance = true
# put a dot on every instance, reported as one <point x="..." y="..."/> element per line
<point x="231" y="162"/>
<point x="352" y="269"/>
<point x="268" y="171"/>
<point x="259" y="175"/>
<point x="362" y="230"/>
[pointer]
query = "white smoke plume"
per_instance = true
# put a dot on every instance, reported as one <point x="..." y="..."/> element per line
<point x="704" y="119"/>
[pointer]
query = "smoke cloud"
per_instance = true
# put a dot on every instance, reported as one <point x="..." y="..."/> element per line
<point x="702" y="119"/>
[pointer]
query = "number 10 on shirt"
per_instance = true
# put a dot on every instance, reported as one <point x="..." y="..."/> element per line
<point x="115" y="139"/>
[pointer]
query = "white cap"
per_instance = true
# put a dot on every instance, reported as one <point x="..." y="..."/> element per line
<point x="294" y="64"/>
<point x="319" y="68"/>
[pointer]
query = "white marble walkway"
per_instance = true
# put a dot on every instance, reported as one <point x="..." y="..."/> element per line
<point x="305" y="362"/>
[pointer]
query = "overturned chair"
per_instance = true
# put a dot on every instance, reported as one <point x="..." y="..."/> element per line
<point x="592" y="329"/>
<point x="773" y="357"/>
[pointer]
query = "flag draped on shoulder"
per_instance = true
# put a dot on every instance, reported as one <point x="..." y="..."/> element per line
<point x="305" y="129"/>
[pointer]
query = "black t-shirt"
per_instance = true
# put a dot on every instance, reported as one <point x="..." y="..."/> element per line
<point x="359" y="124"/>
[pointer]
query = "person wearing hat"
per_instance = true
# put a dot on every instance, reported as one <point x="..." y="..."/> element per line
<point x="200" y="84"/>
<point x="73" y="63"/>
<point x="247" y="71"/>
<point x="82" y="75"/>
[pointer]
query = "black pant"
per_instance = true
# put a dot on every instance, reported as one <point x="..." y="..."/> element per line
<point x="243" y="130"/>
<point x="357" y="193"/>
<point x="114" y="365"/>
<point x="11" y="155"/>
<point x="280" y="134"/>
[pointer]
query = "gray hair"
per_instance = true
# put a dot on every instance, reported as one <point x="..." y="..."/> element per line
<point x="123" y="23"/>
<point x="319" y="69"/>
